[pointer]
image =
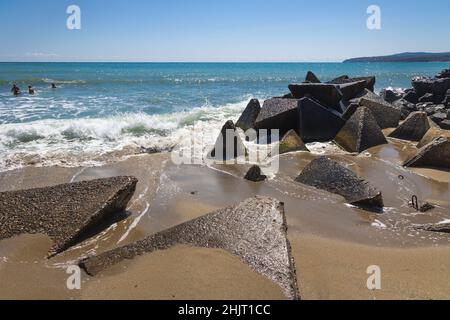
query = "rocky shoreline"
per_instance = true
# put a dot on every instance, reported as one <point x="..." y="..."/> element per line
<point x="344" y="111"/>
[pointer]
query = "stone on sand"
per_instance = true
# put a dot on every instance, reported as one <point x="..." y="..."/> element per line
<point x="67" y="213"/>
<point x="361" y="132"/>
<point x="317" y="123"/>
<point x="413" y="128"/>
<point x="434" y="154"/>
<point x="229" y="144"/>
<point x="255" y="174"/>
<point x="327" y="94"/>
<point x="278" y="113"/>
<point x="326" y="174"/>
<point x="291" y="142"/>
<point x="249" y="116"/>
<point x="254" y="230"/>
<point x="434" y="227"/>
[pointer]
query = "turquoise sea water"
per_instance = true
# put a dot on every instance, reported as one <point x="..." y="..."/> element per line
<point x="104" y="107"/>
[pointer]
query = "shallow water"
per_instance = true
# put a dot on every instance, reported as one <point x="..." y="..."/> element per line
<point x="168" y="195"/>
<point x="116" y="109"/>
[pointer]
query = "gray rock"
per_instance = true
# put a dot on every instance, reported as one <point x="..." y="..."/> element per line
<point x="436" y="86"/>
<point x="248" y="118"/>
<point x="427" y="207"/>
<point x="229" y="144"/>
<point x="326" y="174"/>
<point x="255" y="174"/>
<point x="288" y="96"/>
<point x="406" y="108"/>
<point x="327" y="94"/>
<point x="279" y="114"/>
<point x="445" y="125"/>
<point x="414" y="127"/>
<point x="370" y="81"/>
<point x="311" y="78"/>
<point x="444" y="74"/>
<point x="349" y="111"/>
<point x="366" y="94"/>
<point x="291" y="142"/>
<point x="317" y="123"/>
<point x="434" y="227"/>
<point x="361" y="132"/>
<point x="438" y="117"/>
<point x="390" y="96"/>
<point x="352" y="89"/>
<point x="255" y="231"/>
<point x="411" y="97"/>
<point x="340" y="80"/>
<point x="386" y="114"/>
<point x="427" y="97"/>
<point x="434" y="154"/>
<point x="68" y="213"/>
<point x="422" y="85"/>
<point x="446" y="101"/>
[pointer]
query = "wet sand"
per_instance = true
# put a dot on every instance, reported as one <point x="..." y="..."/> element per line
<point x="330" y="269"/>
<point x="183" y="273"/>
<point x="332" y="243"/>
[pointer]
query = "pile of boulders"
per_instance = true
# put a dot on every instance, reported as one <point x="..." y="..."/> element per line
<point x="344" y="110"/>
<point x="429" y="95"/>
<point x="347" y="112"/>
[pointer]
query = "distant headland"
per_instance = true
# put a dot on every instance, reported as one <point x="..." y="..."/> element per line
<point x="405" y="57"/>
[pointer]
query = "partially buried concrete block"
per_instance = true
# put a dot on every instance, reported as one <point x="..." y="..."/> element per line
<point x="255" y="231"/>
<point x="249" y="116"/>
<point x="413" y="128"/>
<point x="434" y="154"/>
<point x="386" y="114"/>
<point x="66" y="213"/>
<point x="292" y="142"/>
<point x="255" y="174"/>
<point x="317" y="123"/>
<point x="361" y="132"/>
<point x="326" y="174"/>
<point x="229" y="144"/>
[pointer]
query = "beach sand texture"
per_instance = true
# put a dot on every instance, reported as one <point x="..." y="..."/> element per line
<point x="333" y="243"/>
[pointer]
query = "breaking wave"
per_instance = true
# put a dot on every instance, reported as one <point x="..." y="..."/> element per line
<point x="91" y="141"/>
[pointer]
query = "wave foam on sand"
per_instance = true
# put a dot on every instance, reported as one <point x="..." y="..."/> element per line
<point x="77" y="142"/>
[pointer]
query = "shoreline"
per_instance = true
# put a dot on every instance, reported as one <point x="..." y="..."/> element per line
<point x="312" y="232"/>
<point x="310" y="223"/>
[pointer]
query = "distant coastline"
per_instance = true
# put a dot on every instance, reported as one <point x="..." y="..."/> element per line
<point x="405" y="57"/>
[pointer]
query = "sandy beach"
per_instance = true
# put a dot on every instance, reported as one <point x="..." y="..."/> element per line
<point x="333" y="244"/>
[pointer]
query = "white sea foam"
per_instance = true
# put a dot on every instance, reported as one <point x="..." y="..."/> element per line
<point x="87" y="141"/>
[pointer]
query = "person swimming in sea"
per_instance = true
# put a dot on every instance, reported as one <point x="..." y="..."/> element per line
<point x="53" y="86"/>
<point x="31" y="90"/>
<point x="15" y="90"/>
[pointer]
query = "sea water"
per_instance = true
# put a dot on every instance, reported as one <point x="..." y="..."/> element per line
<point x="100" y="110"/>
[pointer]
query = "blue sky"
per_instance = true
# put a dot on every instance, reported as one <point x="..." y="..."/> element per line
<point x="213" y="30"/>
